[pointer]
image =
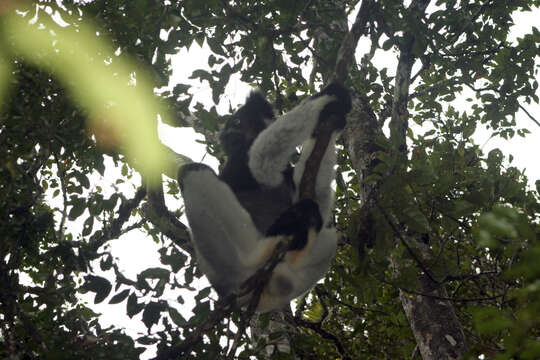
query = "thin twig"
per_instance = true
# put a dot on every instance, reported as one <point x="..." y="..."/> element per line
<point x="445" y="298"/>
<point x="529" y="115"/>
<point x="407" y="246"/>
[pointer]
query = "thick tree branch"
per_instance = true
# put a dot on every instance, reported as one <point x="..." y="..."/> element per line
<point x="324" y="134"/>
<point x="345" y="57"/>
<point x="344" y="61"/>
<point x="411" y="252"/>
<point x="400" y="116"/>
<point x="157" y="213"/>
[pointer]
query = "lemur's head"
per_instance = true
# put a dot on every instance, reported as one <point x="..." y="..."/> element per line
<point x="242" y="127"/>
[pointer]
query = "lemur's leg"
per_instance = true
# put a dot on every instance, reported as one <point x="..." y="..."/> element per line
<point x="228" y="246"/>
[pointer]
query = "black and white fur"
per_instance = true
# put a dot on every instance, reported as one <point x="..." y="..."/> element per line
<point x="237" y="219"/>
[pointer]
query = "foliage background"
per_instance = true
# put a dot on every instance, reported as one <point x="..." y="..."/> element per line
<point x="67" y="191"/>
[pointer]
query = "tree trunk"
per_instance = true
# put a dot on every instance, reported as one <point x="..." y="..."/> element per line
<point x="434" y="324"/>
<point x="433" y="321"/>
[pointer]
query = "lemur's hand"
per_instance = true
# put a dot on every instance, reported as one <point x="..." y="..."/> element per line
<point x="336" y="110"/>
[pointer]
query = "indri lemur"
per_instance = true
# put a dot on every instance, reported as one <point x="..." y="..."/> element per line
<point x="238" y="217"/>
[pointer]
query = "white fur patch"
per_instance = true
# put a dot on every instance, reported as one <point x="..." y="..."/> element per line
<point x="271" y="150"/>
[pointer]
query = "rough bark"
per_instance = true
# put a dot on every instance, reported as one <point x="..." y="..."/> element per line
<point x="432" y="318"/>
<point x="282" y="344"/>
<point x="435" y="326"/>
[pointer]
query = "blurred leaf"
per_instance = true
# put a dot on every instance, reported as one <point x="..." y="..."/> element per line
<point x="121" y="114"/>
<point x="5" y="72"/>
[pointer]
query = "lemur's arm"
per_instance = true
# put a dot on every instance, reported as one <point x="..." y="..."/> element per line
<point x="272" y="149"/>
<point x="315" y="123"/>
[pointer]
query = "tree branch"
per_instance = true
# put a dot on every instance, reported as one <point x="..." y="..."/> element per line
<point x="324" y="131"/>
<point x="327" y="126"/>
<point x="413" y="255"/>
<point x="317" y="326"/>
<point x="345" y="57"/>
<point x="114" y="229"/>
<point x="254" y="286"/>
<point x="529" y="115"/>
<point x="157" y="213"/>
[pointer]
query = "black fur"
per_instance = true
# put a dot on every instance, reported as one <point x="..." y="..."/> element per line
<point x="271" y="209"/>
<point x="264" y="204"/>
<point x="340" y="107"/>
<point x="243" y="127"/>
<point x="296" y="221"/>
<point x="183" y="170"/>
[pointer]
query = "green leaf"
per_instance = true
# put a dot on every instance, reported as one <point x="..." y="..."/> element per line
<point x="387" y="44"/>
<point x="176" y="317"/>
<point x="79" y="205"/>
<point x="151" y="314"/>
<point x="147" y="340"/>
<point x="107" y="263"/>
<point x="201" y="312"/>
<point x="462" y="208"/>
<point x="101" y="286"/>
<point x="490" y="320"/>
<point x="124" y="170"/>
<point x="87" y="226"/>
<point x="82" y="178"/>
<point x="203" y="294"/>
<point x="132" y="306"/>
<point x="155" y="273"/>
<point x="497" y="225"/>
<point x="469" y="130"/>
<point x="118" y="298"/>
<point x="176" y="260"/>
